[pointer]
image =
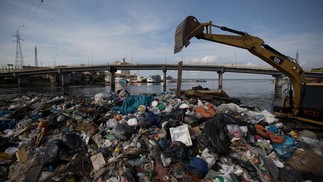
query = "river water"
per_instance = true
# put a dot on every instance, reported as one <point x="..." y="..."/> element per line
<point x="252" y="92"/>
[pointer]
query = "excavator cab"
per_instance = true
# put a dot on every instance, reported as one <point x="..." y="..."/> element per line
<point x="311" y="105"/>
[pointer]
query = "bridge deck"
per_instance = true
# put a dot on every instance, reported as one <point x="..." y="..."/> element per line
<point x="217" y="68"/>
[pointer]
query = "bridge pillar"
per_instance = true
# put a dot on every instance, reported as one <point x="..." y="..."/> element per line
<point x="278" y="85"/>
<point x="19" y="82"/>
<point x="65" y="80"/>
<point x="112" y="71"/>
<point x="52" y="79"/>
<point x="164" y="78"/>
<point x="62" y="79"/>
<point x="179" y="79"/>
<point x="22" y="80"/>
<point x="14" y="75"/>
<point x="220" y="80"/>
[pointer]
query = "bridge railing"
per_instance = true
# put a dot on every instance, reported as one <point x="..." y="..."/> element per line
<point x="10" y="69"/>
<point x="6" y="69"/>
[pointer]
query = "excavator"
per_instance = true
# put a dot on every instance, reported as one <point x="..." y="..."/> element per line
<point x="304" y="101"/>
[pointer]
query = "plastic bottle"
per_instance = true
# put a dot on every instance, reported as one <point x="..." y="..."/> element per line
<point x="117" y="150"/>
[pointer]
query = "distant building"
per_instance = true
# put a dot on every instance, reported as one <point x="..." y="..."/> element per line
<point x="122" y="72"/>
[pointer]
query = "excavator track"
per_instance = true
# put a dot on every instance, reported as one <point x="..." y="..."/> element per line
<point x="297" y="125"/>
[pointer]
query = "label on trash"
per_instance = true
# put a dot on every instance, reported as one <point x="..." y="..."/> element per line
<point x="181" y="134"/>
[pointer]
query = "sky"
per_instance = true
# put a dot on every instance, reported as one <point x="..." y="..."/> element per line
<point x="75" y="32"/>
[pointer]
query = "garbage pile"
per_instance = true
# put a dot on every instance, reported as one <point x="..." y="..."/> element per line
<point x="122" y="137"/>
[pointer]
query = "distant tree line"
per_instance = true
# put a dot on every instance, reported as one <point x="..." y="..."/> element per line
<point x="317" y="69"/>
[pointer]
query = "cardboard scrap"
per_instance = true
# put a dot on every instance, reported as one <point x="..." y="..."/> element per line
<point x="21" y="155"/>
<point x="98" y="161"/>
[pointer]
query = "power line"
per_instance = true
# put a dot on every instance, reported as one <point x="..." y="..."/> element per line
<point x="60" y="11"/>
<point x="28" y="12"/>
<point x="34" y="13"/>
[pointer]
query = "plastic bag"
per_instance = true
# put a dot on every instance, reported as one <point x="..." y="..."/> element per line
<point x="131" y="103"/>
<point x="286" y="149"/>
<point x="123" y="132"/>
<point x="271" y="167"/>
<point x="236" y="131"/>
<point x="101" y="98"/>
<point x="55" y="151"/>
<point x="208" y="157"/>
<point x="177" y="150"/>
<point x="197" y="166"/>
<point x="73" y="141"/>
<point x="217" y="132"/>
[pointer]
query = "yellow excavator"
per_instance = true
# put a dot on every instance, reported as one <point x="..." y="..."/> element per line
<point x="305" y="104"/>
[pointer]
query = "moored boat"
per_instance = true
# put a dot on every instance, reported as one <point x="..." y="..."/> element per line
<point x="121" y="80"/>
<point x="154" y="79"/>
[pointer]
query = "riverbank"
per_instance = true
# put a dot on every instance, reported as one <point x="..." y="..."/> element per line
<point x="254" y="92"/>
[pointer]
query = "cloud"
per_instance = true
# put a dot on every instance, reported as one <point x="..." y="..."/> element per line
<point x="140" y="31"/>
<point x="307" y="45"/>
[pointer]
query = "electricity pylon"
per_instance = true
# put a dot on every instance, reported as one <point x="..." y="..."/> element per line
<point x="36" y="60"/>
<point x="19" y="57"/>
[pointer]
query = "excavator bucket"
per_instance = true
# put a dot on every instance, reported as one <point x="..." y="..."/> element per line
<point x="186" y="30"/>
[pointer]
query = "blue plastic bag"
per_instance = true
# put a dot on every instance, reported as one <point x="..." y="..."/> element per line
<point x="286" y="149"/>
<point x="131" y="103"/>
<point x="272" y="128"/>
<point x="197" y="166"/>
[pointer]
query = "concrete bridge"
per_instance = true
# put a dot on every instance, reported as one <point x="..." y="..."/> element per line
<point x="63" y="71"/>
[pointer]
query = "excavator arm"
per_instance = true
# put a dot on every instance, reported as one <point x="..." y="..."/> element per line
<point x="191" y="27"/>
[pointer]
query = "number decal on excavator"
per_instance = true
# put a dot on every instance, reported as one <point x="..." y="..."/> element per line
<point x="311" y="113"/>
<point x="276" y="59"/>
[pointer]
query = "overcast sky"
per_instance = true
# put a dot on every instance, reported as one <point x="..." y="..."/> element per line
<point x="74" y="32"/>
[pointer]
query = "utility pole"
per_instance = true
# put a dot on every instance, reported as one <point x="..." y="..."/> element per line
<point x="131" y="56"/>
<point x="91" y="58"/>
<point x="19" y="57"/>
<point x="36" y="60"/>
<point x="235" y="59"/>
<point x="55" y="60"/>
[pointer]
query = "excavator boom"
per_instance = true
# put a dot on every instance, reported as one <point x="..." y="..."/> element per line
<point x="191" y="27"/>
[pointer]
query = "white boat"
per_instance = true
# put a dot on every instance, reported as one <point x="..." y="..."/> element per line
<point x="140" y="79"/>
<point x="134" y="79"/>
<point x="121" y="80"/>
<point x="154" y="79"/>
